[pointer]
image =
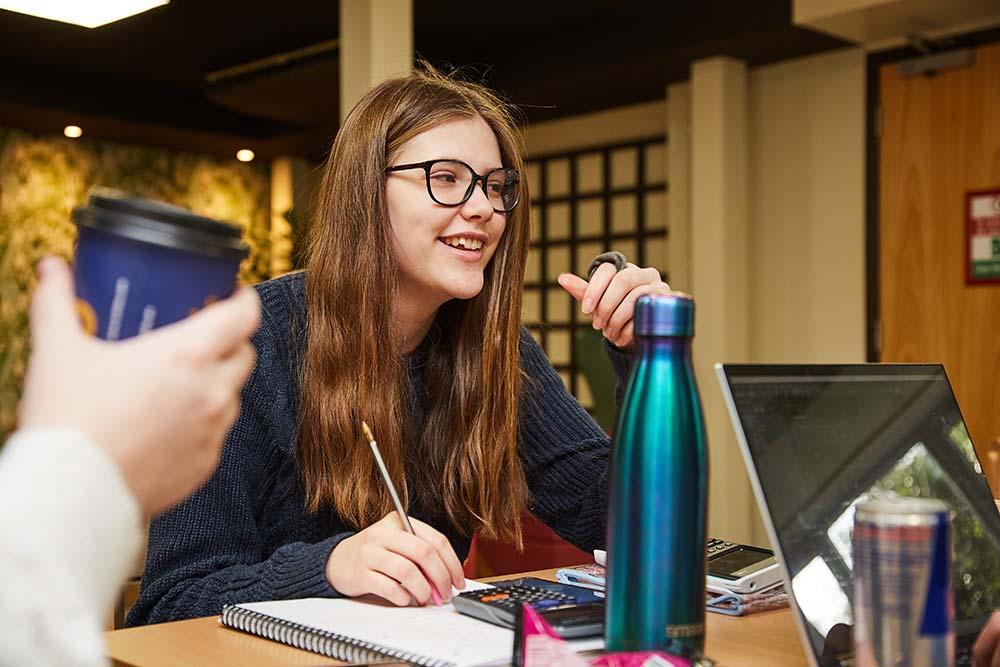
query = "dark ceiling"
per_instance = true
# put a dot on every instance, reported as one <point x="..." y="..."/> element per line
<point x="144" y="78"/>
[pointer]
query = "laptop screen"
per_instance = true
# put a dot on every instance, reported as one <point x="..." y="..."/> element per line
<point x="823" y="439"/>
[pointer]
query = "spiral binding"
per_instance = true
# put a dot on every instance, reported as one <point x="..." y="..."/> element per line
<point x="323" y="642"/>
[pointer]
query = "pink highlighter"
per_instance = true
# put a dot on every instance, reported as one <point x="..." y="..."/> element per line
<point x="405" y="520"/>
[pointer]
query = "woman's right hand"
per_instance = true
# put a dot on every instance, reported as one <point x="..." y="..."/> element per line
<point x="387" y="561"/>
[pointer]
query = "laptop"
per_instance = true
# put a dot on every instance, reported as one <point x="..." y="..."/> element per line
<point x="818" y="440"/>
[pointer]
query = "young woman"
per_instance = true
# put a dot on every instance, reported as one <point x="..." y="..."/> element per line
<point x="408" y="317"/>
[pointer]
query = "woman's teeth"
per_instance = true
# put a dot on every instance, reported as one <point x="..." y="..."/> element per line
<point x="462" y="242"/>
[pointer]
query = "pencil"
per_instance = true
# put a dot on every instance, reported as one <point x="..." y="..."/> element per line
<point x="404" y="519"/>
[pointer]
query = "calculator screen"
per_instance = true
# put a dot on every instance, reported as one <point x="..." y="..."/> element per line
<point x="575" y="614"/>
<point x="739" y="563"/>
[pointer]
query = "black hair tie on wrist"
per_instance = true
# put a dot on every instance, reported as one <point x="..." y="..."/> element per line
<point x="610" y="257"/>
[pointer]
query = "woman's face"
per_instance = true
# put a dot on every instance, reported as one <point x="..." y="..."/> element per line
<point x="442" y="251"/>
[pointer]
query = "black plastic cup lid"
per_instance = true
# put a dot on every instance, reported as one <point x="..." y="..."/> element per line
<point x="160" y="224"/>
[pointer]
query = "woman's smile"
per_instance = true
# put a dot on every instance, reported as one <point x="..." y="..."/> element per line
<point x="467" y="246"/>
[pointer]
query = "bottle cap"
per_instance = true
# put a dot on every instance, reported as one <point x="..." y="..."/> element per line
<point x="664" y="315"/>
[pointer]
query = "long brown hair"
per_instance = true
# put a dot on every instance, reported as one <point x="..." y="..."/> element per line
<point x="463" y="460"/>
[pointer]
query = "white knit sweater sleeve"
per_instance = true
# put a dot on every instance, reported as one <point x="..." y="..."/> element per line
<point x="69" y="533"/>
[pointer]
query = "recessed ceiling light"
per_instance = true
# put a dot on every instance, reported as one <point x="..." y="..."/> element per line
<point x="89" y="13"/>
<point x="73" y="131"/>
<point x="244" y="155"/>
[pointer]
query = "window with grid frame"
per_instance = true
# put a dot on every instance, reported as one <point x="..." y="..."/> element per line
<point x="584" y="202"/>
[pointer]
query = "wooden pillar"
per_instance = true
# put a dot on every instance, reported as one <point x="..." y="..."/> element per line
<point x="376" y="43"/>
<point x="719" y="276"/>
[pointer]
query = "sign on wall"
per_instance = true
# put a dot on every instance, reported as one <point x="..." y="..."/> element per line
<point x="982" y="243"/>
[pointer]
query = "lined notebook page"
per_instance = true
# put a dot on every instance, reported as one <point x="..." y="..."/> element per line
<point x="436" y="632"/>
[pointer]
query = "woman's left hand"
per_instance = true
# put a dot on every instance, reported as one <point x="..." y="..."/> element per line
<point x="610" y="296"/>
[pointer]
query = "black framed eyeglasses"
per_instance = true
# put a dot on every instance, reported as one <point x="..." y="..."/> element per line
<point x="452" y="182"/>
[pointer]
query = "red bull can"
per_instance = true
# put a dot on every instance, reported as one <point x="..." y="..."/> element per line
<point x="903" y="604"/>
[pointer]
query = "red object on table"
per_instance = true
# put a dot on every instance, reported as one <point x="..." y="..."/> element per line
<point x="543" y="549"/>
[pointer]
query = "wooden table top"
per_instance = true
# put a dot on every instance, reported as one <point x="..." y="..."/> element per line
<point x="766" y="639"/>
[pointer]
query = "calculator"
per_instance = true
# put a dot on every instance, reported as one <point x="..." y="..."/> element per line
<point x="735" y="567"/>
<point x="572" y="611"/>
<point x="740" y="567"/>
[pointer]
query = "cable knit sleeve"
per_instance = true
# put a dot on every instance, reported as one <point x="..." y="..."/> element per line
<point x="71" y="531"/>
<point x="216" y="548"/>
<point x="565" y="453"/>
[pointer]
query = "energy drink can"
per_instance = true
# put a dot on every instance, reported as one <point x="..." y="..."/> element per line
<point x="903" y="604"/>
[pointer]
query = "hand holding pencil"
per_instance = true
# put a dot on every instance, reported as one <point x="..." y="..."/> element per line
<point x="387" y="560"/>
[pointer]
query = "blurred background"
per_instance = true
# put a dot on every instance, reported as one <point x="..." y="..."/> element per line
<point x="801" y="167"/>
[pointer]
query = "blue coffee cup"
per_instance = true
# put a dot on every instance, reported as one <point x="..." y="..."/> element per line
<point x="142" y="264"/>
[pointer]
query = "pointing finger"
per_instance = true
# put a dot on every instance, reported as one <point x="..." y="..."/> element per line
<point x="575" y="285"/>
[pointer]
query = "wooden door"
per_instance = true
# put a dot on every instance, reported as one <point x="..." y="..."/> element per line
<point x="941" y="139"/>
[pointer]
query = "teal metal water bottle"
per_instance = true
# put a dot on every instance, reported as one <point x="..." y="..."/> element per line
<point x="659" y="486"/>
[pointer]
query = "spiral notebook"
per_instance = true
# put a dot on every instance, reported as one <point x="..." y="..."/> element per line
<point x="369" y="630"/>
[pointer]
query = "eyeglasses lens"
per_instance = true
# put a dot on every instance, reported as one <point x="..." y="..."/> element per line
<point x="451" y="182"/>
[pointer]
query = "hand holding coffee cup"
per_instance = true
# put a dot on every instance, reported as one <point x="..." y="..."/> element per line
<point x="159" y="405"/>
<point x="141" y="264"/>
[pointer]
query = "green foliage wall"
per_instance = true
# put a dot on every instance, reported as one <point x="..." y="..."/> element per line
<point x="43" y="178"/>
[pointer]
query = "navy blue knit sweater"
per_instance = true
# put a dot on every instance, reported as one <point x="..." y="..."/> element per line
<point x="246" y="534"/>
